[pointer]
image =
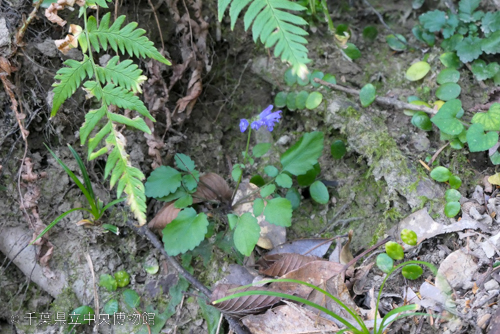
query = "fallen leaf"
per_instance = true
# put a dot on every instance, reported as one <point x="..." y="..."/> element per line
<point x="309" y="247"/>
<point x="164" y="217"/>
<point x="212" y="187"/>
<point x="287" y="263"/>
<point x="345" y="253"/>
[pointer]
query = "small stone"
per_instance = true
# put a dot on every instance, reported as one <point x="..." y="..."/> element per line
<point x="283" y="140"/>
<point x="491" y="285"/>
<point x="420" y="142"/>
<point x="484" y="320"/>
<point x="4" y="33"/>
<point x="48" y="48"/>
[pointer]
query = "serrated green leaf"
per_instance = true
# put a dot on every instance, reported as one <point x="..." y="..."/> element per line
<point x="300" y="100"/>
<point x="246" y="234"/>
<point x="131" y="298"/>
<point x="490" y="22"/>
<point x="433" y="21"/>
<point x="483" y="71"/>
<point x="129" y="39"/>
<point x="440" y="174"/>
<point x="448" y="75"/>
<point x="367" y="95"/>
<point x="422" y="121"/>
<point x="314" y="100"/>
<point x="125" y="99"/>
<point x="271" y="171"/>
<point x="91" y="119"/>
<point x="284" y="181"/>
<point x="185" y="232"/>
<point x="258" y="206"/>
<point x="446" y="119"/>
<point x="448" y="91"/>
<point x="418" y="70"/>
<point x="163" y="181"/>
<point x="267" y="190"/>
<point x="466" y="9"/>
<point x="479" y="141"/>
<point x="70" y="78"/>
<point x="469" y="49"/>
<point x="451" y="209"/>
<point x="278" y="211"/>
<point x="491" y="44"/>
<point x="490" y="120"/>
<point x="319" y="192"/>
<point x="135" y="122"/>
<point x="261" y="149"/>
<point x="125" y="74"/>
<point x="183" y="202"/>
<point x="304" y="154"/>
<point x="173" y="196"/>
<point x="183" y="162"/>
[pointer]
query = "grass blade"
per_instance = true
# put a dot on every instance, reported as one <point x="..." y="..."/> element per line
<point x="85" y="175"/>
<point x="55" y="221"/>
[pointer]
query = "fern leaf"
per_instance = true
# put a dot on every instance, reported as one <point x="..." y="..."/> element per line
<point x="128" y="39"/>
<point x="274" y="25"/>
<point x="136" y="122"/>
<point x="125" y="74"/>
<point x="91" y="119"/>
<point x="70" y="78"/>
<point x="125" y="99"/>
<point x="93" y="142"/>
<point x="222" y="6"/>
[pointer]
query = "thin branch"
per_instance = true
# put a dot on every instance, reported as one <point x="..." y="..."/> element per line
<point x="382" y="100"/>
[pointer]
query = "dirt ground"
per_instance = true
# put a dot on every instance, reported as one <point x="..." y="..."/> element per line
<point x="380" y="179"/>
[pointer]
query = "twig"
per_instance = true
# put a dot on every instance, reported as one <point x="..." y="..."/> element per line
<point x="96" y="295"/>
<point x="146" y="232"/>
<point x="383" y="100"/>
<point x="157" y="24"/>
<point x="20" y="33"/>
<point x="434" y="157"/>
<point x="377" y="245"/>
<point x="342" y="209"/>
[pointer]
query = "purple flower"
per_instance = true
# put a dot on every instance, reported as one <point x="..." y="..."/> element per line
<point x="243" y="125"/>
<point x="265" y="118"/>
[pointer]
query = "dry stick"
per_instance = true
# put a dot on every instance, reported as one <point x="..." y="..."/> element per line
<point x="377" y="245"/>
<point x="383" y="100"/>
<point x="146" y="232"/>
<point x="157" y="24"/>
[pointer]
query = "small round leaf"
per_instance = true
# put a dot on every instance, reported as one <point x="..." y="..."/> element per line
<point x="330" y="78"/>
<point x="450" y="59"/>
<point x="370" y="33"/>
<point x="338" y="149"/>
<point x="352" y="51"/>
<point x="448" y="75"/>
<point x="452" y="195"/>
<point x="313" y="100"/>
<point x="418" y="70"/>
<point x="294" y="197"/>
<point x="448" y="91"/>
<point x="280" y="99"/>
<point x="452" y="209"/>
<point x="319" y="192"/>
<point x="290" y="101"/>
<point x="394" y="250"/>
<point x="385" y="263"/>
<point x="316" y="74"/>
<point x="441" y="174"/>
<point x="412" y="271"/>
<point x="300" y="100"/>
<point x="409" y="237"/>
<point x="395" y="42"/>
<point x="422" y="121"/>
<point x="367" y="95"/>
<point x="290" y="77"/>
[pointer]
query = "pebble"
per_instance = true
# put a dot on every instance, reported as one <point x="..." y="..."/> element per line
<point x="283" y="140"/>
<point x="491" y="285"/>
<point x="484" y="320"/>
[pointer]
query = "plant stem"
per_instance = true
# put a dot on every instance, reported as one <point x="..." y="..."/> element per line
<point x="244" y="162"/>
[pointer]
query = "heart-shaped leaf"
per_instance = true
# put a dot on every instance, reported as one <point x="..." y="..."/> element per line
<point x="489" y="120"/>
<point x="446" y="119"/>
<point x="479" y="141"/>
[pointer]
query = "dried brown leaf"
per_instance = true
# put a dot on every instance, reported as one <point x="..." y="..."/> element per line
<point x="345" y="253"/>
<point x="213" y="187"/>
<point x="242" y="305"/>
<point x="51" y="12"/>
<point x="194" y="90"/>
<point x="309" y="247"/>
<point x="287" y="263"/>
<point x="164" y="217"/>
<point x="360" y="278"/>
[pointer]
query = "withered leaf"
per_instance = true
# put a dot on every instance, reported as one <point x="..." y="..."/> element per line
<point x="164" y="217"/>
<point x="309" y="247"/>
<point x="360" y="278"/>
<point x="242" y="305"/>
<point x="287" y="263"/>
<point x="212" y="187"/>
<point x="345" y="253"/>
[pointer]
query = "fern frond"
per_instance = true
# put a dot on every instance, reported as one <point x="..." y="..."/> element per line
<point x="125" y="74"/>
<point x="274" y="26"/>
<point x="128" y="39"/>
<point x="91" y="119"/>
<point x="70" y="78"/>
<point x="125" y="99"/>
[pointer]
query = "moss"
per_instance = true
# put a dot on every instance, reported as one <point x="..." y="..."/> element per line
<point x="379" y="233"/>
<point x="65" y="302"/>
<point x="350" y="112"/>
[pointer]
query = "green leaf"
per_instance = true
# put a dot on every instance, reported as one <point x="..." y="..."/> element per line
<point x="261" y="149"/>
<point x="450" y="60"/>
<point x="422" y="121"/>
<point x="185" y="232"/>
<point x="271" y="171"/>
<point x="466" y="10"/>
<point x="280" y="100"/>
<point x="129" y="39"/>
<point x="278" y="211"/>
<point x="300" y="100"/>
<point x="423" y="35"/>
<point x="330" y="78"/>
<point x="370" y="33"/>
<point x="490" y="22"/>
<point x="395" y="42"/>
<point x="163" y="181"/>
<point x="81" y="315"/>
<point x="190" y="182"/>
<point x="314" y="100"/>
<point x="294" y="197"/>
<point x="495" y="158"/>
<point x="469" y="49"/>
<point x="125" y="74"/>
<point x="284" y="181"/>
<point x="211" y="316"/>
<point x="267" y="190"/>
<point x="441" y="174"/>
<point x="446" y="119"/>
<point x="412" y="271"/>
<point x="451" y="209"/>
<point x="483" y="71"/>
<point x="456" y="144"/>
<point x="448" y="91"/>
<point x="316" y="74"/>
<point x="352" y="51"/>
<point x="490" y="120"/>
<point x="246" y="234"/>
<point x="108" y="282"/>
<point x="183" y="162"/>
<point x="232" y="220"/>
<point x="452" y="195"/>
<point x="409" y="237"/>
<point x="491" y="44"/>
<point x="290" y="101"/>
<point x="394" y="250"/>
<point x="338" y="149"/>
<point x="450" y="26"/>
<point x="258" y="206"/>
<point x="183" y="202"/>
<point x="385" y="262"/>
<point x="367" y="95"/>
<point x="304" y="81"/>
<point x="304" y="154"/>
<point x="448" y="75"/>
<point x="319" y="192"/>
<point x="450" y="44"/>
<point x="418" y="70"/>
<point x="236" y="173"/>
<point x="258" y="180"/>
<point x="70" y="78"/>
<point x="433" y="21"/>
<point x="455" y="182"/>
<point x="309" y="177"/>
<point x="479" y="141"/>
<point x="111" y="307"/>
<point x="131" y="298"/>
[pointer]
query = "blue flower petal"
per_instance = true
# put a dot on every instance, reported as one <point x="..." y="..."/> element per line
<point x="266" y="112"/>
<point x="243" y="125"/>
